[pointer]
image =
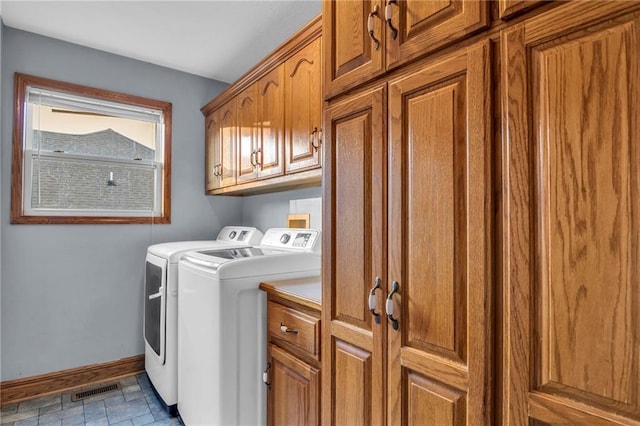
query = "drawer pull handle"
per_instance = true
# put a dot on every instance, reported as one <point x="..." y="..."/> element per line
<point x="265" y="375"/>
<point x="388" y="13"/>
<point x="316" y="138"/>
<point x="371" y="28"/>
<point x="372" y="300"/>
<point x="389" y="305"/>
<point x="285" y="329"/>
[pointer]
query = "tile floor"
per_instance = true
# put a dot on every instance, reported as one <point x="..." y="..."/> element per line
<point x="134" y="405"/>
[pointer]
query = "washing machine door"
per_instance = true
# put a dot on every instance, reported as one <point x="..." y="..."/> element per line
<point x="155" y="304"/>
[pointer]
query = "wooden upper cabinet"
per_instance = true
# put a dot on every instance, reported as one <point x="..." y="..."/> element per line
<point x="220" y="137"/>
<point x="277" y="122"/>
<point x="248" y="130"/>
<point x="212" y="148"/>
<point x="270" y="146"/>
<point x="572" y="216"/>
<point x="351" y="56"/>
<point x="416" y="27"/>
<point x="365" y="38"/>
<point x="439" y="275"/>
<point x="353" y="261"/>
<point x="303" y="130"/>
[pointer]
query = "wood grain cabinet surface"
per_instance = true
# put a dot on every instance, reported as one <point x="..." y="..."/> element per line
<point x="220" y="140"/>
<point x="303" y="121"/>
<point x="269" y="156"/>
<point x="408" y="260"/>
<point x="571" y="79"/>
<point x="273" y="139"/>
<point x="481" y="245"/>
<point x="293" y="355"/>
<point x="507" y="9"/>
<point x="366" y="38"/>
<point x="248" y="133"/>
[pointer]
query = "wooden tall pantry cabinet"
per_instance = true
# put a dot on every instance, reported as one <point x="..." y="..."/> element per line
<point x="481" y="259"/>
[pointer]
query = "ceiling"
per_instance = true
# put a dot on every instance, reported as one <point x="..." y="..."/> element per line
<point x="212" y="38"/>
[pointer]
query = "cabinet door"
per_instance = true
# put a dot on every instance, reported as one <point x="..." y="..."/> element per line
<point x="303" y="109"/>
<point x="351" y="55"/>
<point x="418" y="26"/>
<point x="439" y="351"/>
<point x="294" y="395"/>
<point x="353" y="256"/>
<point x="571" y="214"/>
<point x="212" y="146"/>
<point x="270" y="148"/>
<point x="248" y="129"/>
<point x="226" y="139"/>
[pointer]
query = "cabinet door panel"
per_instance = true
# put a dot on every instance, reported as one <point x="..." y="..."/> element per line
<point x="424" y="26"/>
<point x="354" y="371"/>
<point x="437" y="157"/>
<point x="212" y="141"/>
<point x="294" y="392"/>
<point x="228" y="135"/>
<point x="583" y="288"/>
<point x="434" y="404"/>
<point x="351" y="56"/>
<point x="248" y="128"/>
<point x="271" y="114"/>
<point x="353" y="255"/>
<point x="303" y="73"/>
<point x="439" y="223"/>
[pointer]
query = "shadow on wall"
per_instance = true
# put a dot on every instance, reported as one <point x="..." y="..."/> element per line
<point x="271" y="210"/>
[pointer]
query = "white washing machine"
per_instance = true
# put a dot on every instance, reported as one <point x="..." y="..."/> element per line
<point x="160" y="328"/>
<point x="222" y="324"/>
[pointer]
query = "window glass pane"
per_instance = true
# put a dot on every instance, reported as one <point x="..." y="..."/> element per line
<point x="72" y="183"/>
<point x="78" y="132"/>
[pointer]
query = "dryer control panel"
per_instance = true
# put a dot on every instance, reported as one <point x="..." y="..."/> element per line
<point x="298" y="239"/>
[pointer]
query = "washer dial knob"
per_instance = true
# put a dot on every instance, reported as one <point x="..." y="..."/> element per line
<point x="284" y="239"/>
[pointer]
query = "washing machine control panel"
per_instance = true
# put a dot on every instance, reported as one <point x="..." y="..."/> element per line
<point x="240" y="234"/>
<point x="292" y="238"/>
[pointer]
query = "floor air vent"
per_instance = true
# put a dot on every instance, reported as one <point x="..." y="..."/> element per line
<point x="110" y="387"/>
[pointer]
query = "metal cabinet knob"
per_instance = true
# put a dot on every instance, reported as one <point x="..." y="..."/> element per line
<point x="285" y="329"/>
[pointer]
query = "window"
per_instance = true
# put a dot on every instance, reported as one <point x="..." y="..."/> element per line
<point x="85" y="155"/>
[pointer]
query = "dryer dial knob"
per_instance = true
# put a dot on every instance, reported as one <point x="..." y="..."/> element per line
<point x="232" y="234"/>
<point x="284" y="239"/>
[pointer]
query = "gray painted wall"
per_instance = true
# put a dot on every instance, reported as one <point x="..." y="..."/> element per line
<point x="72" y="294"/>
<point x="270" y="210"/>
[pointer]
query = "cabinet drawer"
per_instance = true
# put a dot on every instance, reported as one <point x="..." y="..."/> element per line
<point x="302" y="330"/>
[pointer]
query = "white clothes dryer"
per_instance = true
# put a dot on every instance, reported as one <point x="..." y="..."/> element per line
<point x="160" y="318"/>
<point x="222" y="324"/>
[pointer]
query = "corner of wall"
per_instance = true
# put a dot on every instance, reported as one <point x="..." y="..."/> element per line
<point x="1" y="215"/>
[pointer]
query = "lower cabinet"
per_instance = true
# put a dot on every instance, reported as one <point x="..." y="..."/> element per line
<point x="294" y="391"/>
<point x="293" y="358"/>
